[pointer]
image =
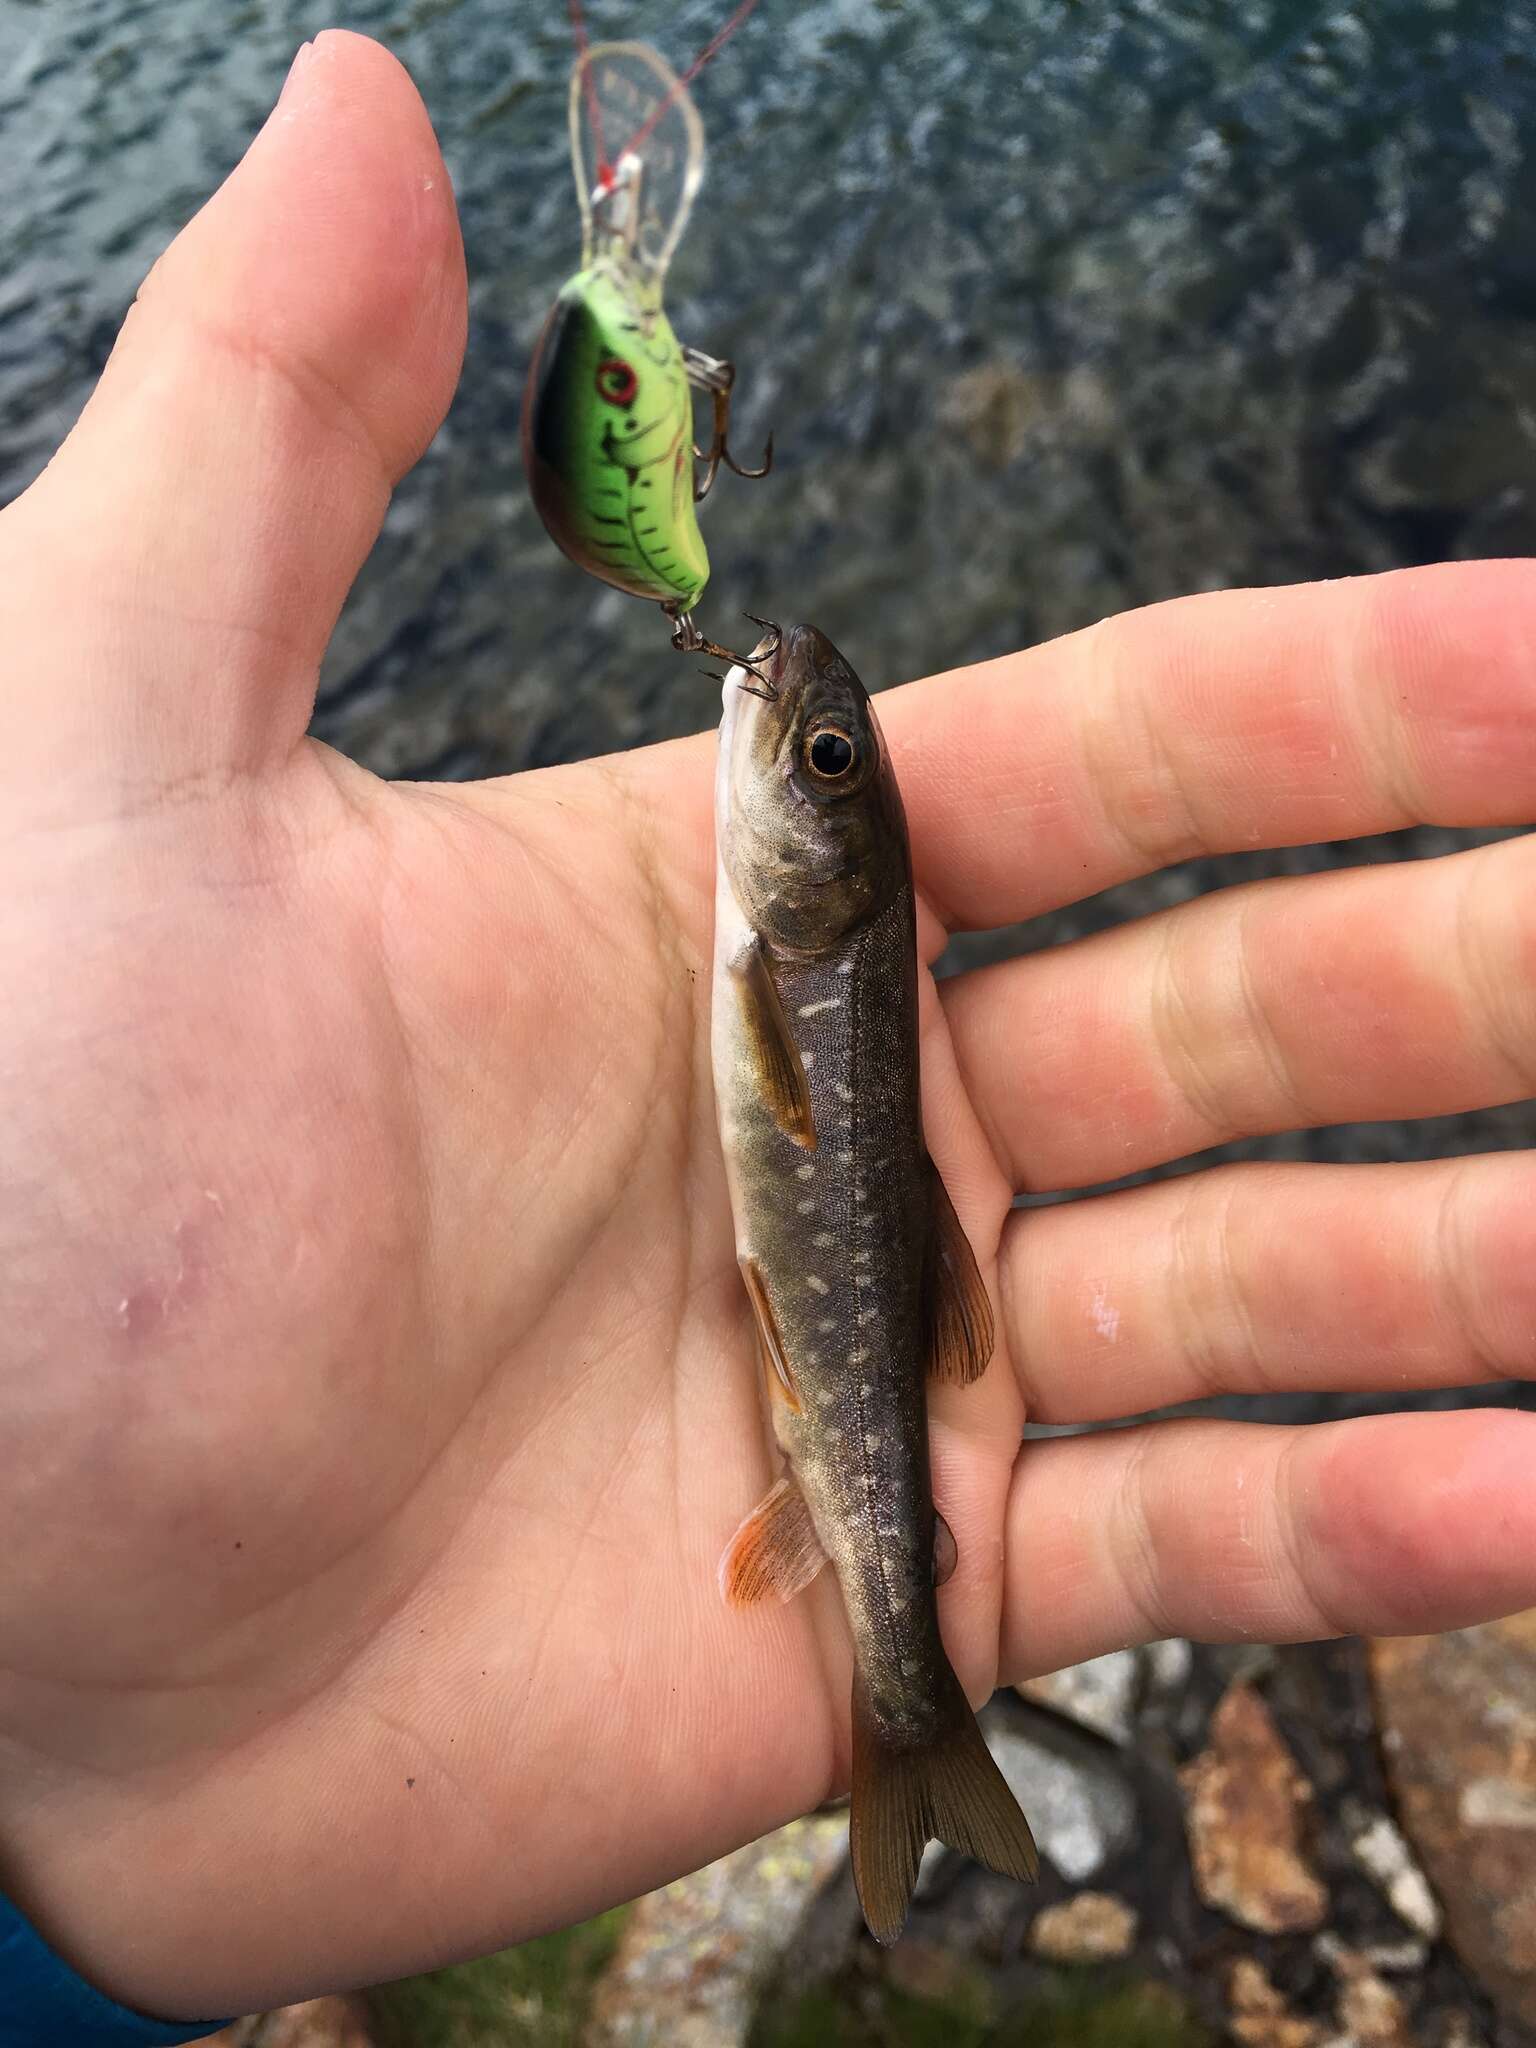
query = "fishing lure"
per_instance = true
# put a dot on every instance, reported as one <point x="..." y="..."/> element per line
<point x="607" y="425"/>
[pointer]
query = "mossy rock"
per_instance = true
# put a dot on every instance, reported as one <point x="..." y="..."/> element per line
<point x="535" y="1996"/>
<point x="1068" y="2014"/>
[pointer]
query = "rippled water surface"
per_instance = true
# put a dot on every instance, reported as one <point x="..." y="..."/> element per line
<point x="1054" y="308"/>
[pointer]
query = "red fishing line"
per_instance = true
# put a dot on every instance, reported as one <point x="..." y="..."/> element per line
<point x="605" y="171"/>
<point x="594" y="112"/>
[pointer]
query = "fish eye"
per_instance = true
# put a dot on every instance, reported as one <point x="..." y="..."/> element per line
<point x="829" y="753"/>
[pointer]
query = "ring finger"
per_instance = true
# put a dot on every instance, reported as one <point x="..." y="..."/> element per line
<point x="1366" y="993"/>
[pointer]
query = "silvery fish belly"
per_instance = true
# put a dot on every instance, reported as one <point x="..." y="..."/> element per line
<point x="860" y="1279"/>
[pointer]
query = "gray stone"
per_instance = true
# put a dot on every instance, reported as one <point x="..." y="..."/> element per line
<point x="318" y="2023"/>
<point x="1383" y="1853"/>
<point x="1079" y="1805"/>
<point x="1099" y="1694"/>
<point x="695" y="1956"/>
<point x="1170" y="1663"/>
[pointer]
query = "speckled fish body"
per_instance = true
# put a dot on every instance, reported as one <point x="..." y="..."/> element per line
<point x="860" y="1280"/>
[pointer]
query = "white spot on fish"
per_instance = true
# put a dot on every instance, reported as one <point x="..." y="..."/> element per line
<point x="845" y="966"/>
<point x="843" y="1091"/>
<point x="872" y="1441"/>
<point x="806" y="1172"/>
<point x="822" y="1239"/>
<point x="898" y="1603"/>
<point x="807" y="1059"/>
<point x="858" y="1194"/>
<point x="845" y="1158"/>
<point x="1106" y="1320"/>
<point x="815" y="1009"/>
<point x="869" y="1316"/>
<point x="816" y="1284"/>
<point x="909" y="1667"/>
<point x="805" y="1208"/>
<point x="825" y="1398"/>
<point x="865" y="1389"/>
<point x="827" y="1323"/>
<point x="863" y="1279"/>
<point x="861" y="1258"/>
<point x="857" y="1358"/>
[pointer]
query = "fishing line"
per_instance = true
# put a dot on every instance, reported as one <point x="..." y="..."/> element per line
<point x="594" y="112"/>
<point x="605" y="171"/>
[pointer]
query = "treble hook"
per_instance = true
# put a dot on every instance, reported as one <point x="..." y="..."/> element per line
<point x="687" y="639"/>
<point x="708" y="373"/>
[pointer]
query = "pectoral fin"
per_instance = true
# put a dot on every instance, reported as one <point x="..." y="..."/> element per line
<point x="770" y="1343"/>
<point x="960" y="1330"/>
<point x="775" y="1553"/>
<point x="776" y="1057"/>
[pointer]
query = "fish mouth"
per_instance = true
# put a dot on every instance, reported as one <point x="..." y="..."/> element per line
<point x="764" y="665"/>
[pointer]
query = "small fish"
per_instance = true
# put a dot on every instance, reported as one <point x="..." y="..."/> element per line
<point x="860" y="1277"/>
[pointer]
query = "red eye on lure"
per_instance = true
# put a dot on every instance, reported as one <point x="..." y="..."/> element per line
<point x="608" y="407"/>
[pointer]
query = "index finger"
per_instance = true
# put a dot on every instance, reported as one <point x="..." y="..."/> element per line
<point x="1218" y="723"/>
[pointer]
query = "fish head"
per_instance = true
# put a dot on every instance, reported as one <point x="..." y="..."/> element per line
<point x="808" y="817"/>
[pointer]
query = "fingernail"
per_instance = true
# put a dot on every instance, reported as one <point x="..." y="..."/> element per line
<point x="300" y="62"/>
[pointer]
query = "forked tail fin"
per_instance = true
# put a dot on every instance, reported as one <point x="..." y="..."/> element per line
<point x="949" y="1790"/>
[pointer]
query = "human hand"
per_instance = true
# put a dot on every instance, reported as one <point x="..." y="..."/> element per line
<point x="376" y="1381"/>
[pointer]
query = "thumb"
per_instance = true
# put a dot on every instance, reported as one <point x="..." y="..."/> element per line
<point x="172" y="578"/>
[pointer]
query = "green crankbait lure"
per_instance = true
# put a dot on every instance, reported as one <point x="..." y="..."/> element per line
<point x="608" y="407"/>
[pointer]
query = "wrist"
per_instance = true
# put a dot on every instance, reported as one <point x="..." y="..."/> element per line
<point x="44" y="2000"/>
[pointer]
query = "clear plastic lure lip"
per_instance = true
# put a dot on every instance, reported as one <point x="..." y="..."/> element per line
<point x="634" y="204"/>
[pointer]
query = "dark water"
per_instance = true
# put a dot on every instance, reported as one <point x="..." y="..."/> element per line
<point x="1055" y="307"/>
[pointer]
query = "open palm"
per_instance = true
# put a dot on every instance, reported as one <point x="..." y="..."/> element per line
<point x="375" y="1377"/>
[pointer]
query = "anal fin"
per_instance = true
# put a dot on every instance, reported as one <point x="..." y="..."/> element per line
<point x="775" y="1056"/>
<point x="775" y="1553"/>
<point x="960" y="1330"/>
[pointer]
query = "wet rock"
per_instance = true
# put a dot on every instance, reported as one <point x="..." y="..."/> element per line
<point x="1458" y="1715"/>
<point x="1169" y="1664"/>
<point x="1099" y="1694"/>
<point x="1382" y="1852"/>
<point x="995" y="407"/>
<point x="1370" y="2012"/>
<point x="937" y="1972"/>
<point x="1091" y="1928"/>
<point x="1244" y="1799"/>
<point x="1258" y="2016"/>
<point x="695" y="1955"/>
<point x="318" y="2023"/>
<point x="1079" y="1805"/>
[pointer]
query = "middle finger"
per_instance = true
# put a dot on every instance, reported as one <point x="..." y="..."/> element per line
<point x="1366" y="993"/>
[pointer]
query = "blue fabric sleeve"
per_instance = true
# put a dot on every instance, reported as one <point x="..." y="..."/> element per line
<point x="43" y="2004"/>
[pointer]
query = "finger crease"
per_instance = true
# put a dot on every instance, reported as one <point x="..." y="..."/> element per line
<point x="1457" y="1281"/>
<point x="1178" y="1036"/>
<point x="1133" y="1553"/>
<point x="1158" y="829"/>
<point x="1488" y="978"/>
<point x="319" y="395"/>
<point x="1260" y="1026"/>
<point x="1289" y="1514"/>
